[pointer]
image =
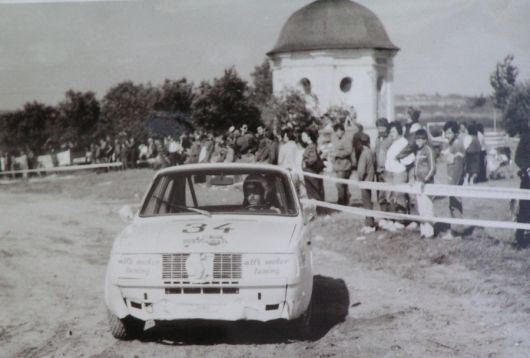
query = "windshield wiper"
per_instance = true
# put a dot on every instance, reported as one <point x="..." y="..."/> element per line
<point x="183" y="207"/>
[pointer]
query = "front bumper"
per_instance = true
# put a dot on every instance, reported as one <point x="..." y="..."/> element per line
<point x="228" y="303"/>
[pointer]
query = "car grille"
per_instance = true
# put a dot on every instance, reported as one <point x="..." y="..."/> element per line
<point x="226" y="268"/>
<point x="174" y="266"/>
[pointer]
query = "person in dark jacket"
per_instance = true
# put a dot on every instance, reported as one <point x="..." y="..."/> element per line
<point x="342" y="165"/>
<point x="522" y="160"/>
<point x="312" y="162"/>
<point x="365" y="172"/>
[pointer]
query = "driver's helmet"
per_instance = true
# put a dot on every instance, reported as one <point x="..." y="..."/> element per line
<point x="255" y="183"/>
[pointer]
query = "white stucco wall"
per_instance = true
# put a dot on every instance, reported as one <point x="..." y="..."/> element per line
<point x="326" y="69"/>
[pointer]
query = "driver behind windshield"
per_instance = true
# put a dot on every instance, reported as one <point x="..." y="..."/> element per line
<point x="255" y="192"/>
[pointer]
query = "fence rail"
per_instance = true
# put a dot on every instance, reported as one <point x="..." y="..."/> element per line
<point x="469" y="191"/>
<point x="64" y="169"/>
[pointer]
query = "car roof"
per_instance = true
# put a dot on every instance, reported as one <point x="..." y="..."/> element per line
<point x="214" y="166"/>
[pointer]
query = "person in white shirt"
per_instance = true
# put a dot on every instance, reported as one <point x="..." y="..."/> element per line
<point x="396" y="168"/>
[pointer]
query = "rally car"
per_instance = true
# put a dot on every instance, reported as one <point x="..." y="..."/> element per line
<point x="212" y="242"/>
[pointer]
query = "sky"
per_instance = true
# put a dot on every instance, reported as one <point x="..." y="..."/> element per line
<point x="48" y="47"/>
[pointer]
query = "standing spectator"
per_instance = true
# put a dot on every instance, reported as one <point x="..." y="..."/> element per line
<point x="365" y="172"/>
<point x="342" y="165"/>
<point x="522" y="160"/>
<point x="94" y="153"/>
<point x="382" y="144"/>
<point x="263" y="151"/>
<point x="207" y="146"/>
<point x="397" y="170"/>
<point x="194" y="150"/>
<point x="482" y="175"/>
<point x="454" y="157"/>
<point x="413" y="118"/>
<point x="288" y="151"/>
<point x="472" y="155"/>
<point x="173" y="148"/>
<point x="132" y="153"/>
<point x="220" y="150"/>
<point x="312" y="162"/>
<point x="424" y="170"/>
<point x="274" y="146"/>
<point x="117" y="150"/>
<point x="151" y="148"/>
<point x="246" y="145"/>
<point x="124" y="151"/>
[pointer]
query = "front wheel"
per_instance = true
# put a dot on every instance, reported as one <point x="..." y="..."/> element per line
<point x="123" y="329"/>
<point x="302" y="327"/>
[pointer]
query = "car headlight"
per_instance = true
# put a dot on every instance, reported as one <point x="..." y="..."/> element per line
<point x="269" y="266"/>
<point x="136" y="266"/>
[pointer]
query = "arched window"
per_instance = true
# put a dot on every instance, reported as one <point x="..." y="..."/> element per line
<point x="305" y="85"/>
<point x="345" y="84"/>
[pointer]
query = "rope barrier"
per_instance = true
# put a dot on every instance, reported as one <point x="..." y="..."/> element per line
<point x="397" y="216"/>
<point x="469" y="191"/>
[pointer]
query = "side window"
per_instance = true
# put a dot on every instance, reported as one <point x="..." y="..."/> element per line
<point x="165" y="203"/>
<point x="153" y="203"/>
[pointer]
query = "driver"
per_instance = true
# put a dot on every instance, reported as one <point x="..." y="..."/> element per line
<point x="255" y="192"/>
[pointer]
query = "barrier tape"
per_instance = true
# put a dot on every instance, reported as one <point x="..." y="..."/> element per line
<point x="397" y="216"/>
<point x="469" y="191"/>
<point x="64" y="169"/>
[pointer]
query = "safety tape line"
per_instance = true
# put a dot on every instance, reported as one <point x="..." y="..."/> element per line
<point x="397" y="216"/>
<point x="64" y="169"/>
<point x="469" y="191"/>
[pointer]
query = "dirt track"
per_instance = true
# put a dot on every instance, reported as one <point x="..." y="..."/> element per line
<point x="381" y="296"/>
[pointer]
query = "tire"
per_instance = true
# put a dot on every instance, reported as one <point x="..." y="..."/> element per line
<point x="123" y="329"/>
<point x="302" y="327"/>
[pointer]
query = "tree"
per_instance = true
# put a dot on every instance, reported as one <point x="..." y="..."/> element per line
<point x="503" y="80"/>
<point x="78" y="117"/>
<point x="261" y="90"/>
<point x="517" y="109"/>
<point x="126" y="107"/>
<point x="32" y="126"/>
<point x="175" y="96"/>
<point x="290" y="107"/>
<point x="224" y="103"/>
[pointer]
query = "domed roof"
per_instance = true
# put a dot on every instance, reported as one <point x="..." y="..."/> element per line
<point x="332" y="24"/>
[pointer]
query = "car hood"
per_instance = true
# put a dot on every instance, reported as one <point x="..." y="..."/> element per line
<point x="203" y="234"/>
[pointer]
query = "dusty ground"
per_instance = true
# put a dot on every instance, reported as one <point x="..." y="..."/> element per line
<point x="383" y="295"/>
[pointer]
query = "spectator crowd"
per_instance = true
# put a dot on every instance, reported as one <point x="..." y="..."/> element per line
<point x="402" y="153"/>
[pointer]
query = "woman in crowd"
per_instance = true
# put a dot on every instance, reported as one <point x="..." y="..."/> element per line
<point x="397" y="170"/>
<point x="312" y="162"/>
<point x="288" y="151"/>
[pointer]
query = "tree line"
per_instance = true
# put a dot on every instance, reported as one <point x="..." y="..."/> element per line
<point x="81" y="118"/>
<point x="511" y="96"/>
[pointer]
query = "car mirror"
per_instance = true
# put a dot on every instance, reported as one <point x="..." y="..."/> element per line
<point x="221" y="180"/>
<point x="126" y="214"/>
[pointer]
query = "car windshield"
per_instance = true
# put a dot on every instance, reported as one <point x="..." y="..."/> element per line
<point x="207" y="192"/>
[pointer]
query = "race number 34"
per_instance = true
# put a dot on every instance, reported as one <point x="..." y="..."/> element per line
<point x="194" y="228"/>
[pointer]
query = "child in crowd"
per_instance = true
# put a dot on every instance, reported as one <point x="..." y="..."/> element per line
<point x="424" y="170"/>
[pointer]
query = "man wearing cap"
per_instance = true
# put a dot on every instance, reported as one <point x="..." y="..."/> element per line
<point x="342" y="165"/>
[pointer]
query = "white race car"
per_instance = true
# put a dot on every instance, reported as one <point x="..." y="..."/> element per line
<point x="216" y="242"/>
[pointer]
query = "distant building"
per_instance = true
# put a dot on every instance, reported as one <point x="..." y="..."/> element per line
<point x="339" y="51"/>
